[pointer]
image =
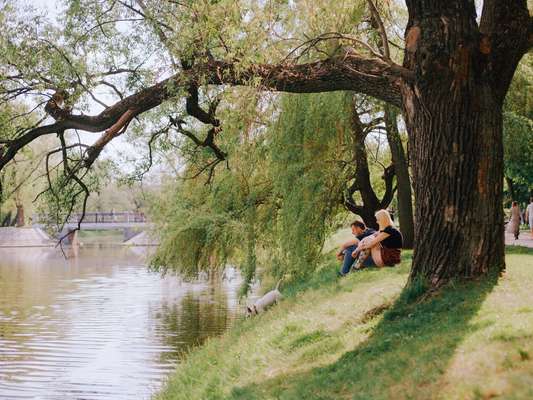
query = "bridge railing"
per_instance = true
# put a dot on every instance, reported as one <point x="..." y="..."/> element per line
<point x="99" y="217"/>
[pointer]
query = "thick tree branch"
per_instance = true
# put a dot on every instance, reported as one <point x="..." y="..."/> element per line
<point x="506" y="36"/>
<point x="194" y="110"/>
<point x="349" y="72"/>
<point x="354" y="208"/>
<point x="116" y="130"/>
<point x="349" y="201"/>
<point x="207" y="142"/>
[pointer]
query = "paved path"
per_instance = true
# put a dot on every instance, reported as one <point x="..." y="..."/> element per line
<point x="24" y="237"/>
<point x="524" y="239"/>
<point x="143" y="239"/>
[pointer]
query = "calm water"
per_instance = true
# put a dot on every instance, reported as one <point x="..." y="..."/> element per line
<point x="100" y="326"/>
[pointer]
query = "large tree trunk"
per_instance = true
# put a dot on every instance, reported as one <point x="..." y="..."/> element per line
<point x="458" y="186"/>
<point x="405" y="206"/>
<point x="453" y="114"/>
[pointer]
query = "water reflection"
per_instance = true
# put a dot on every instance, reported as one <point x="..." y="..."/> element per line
<point x="99" y="326"/>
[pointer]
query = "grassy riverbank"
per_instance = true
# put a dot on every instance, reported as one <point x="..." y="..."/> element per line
<point x="360" y="337"/>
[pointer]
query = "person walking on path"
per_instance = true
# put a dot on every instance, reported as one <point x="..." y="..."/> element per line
<point x="529" y="215"/>
<point x="514" y="221"/>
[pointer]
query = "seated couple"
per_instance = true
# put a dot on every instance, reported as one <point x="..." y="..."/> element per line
<point x="370" y="248"/>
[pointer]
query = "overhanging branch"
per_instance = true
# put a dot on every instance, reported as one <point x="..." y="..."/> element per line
<point x="350" y="71"/>
<point x="507" y="34"/>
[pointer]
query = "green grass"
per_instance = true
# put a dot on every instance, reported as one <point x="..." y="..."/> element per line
<point x="363" y="337"/>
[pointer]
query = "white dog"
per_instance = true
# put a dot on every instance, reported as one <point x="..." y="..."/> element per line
<point x="264" y="302"/>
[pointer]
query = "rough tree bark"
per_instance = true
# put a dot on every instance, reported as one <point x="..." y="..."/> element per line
<point x="453" y="112"/>
<point x="401" y="167"/>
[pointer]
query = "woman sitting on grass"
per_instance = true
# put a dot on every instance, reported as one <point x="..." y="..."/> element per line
<point x="384" y="247"/>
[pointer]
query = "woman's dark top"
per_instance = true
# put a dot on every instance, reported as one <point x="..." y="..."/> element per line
<point x="395" y="240"/>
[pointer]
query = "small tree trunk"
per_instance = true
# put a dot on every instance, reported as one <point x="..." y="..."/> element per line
<point x="510" y="186"/>
<point x="405" y="206"/>
<point x="19" y="219"/>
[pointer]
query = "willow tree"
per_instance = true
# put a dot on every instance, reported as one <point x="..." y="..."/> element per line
<point x="451" y="86"/>
<point x="276" y="203"/>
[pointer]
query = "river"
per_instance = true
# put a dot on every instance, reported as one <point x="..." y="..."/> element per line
<point x="100" y="325"/>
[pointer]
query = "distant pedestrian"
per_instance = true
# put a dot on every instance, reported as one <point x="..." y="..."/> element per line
<point x="529" y="215"/>
<point x="514" y="222"/>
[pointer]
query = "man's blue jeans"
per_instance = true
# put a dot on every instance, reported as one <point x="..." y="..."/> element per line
<point x="349" y="260"/>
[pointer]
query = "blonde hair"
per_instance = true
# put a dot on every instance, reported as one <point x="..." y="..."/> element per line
<point x="384" y="219"/>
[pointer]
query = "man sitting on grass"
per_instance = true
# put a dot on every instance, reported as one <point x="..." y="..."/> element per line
<point x="360" y="231"/>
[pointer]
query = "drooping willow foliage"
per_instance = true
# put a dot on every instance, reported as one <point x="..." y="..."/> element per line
<point x="307" y="147"/>
<point x="274" y="205"/>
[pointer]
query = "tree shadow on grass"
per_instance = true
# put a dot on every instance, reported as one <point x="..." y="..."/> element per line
<point x="407" y="352"/>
